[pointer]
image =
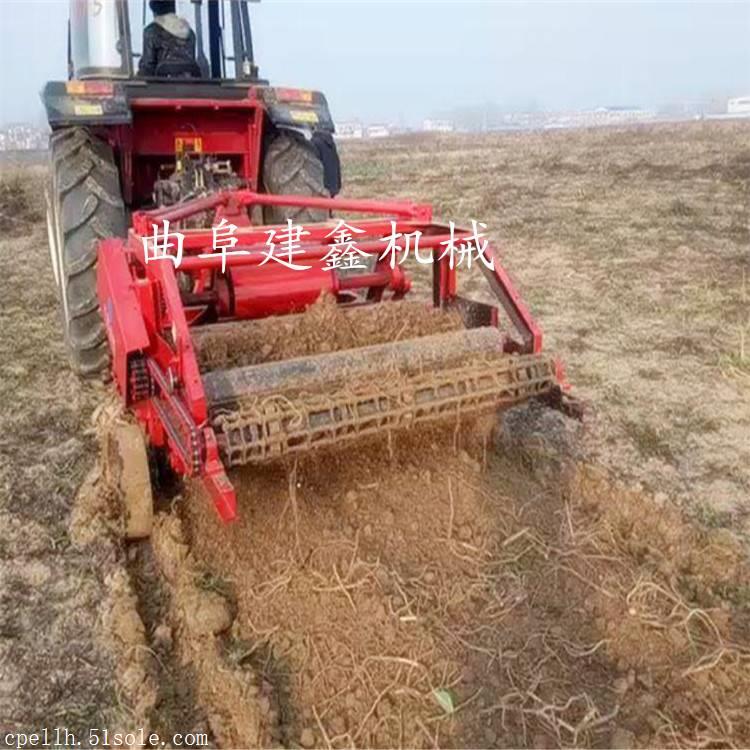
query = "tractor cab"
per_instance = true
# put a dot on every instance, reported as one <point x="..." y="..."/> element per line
<point x="185" y="133"/>
<point x="101" y="45"/>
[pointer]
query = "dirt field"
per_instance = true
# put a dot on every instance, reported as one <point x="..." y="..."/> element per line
<point x="556" y="585"/>
<point x="633" y="249"/>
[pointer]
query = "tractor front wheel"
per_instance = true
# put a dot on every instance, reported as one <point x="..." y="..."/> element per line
<point x="84" y="205"/>
<point x="292" y="167"/>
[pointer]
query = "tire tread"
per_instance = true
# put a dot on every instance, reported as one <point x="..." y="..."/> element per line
<point x="89" y="207"/>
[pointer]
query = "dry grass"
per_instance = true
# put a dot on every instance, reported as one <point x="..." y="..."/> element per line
<point x="54" y="670"/>
<point x="21" y="200"/>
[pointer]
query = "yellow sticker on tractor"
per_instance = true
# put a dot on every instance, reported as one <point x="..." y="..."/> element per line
<point x="304" y="115"/>
<point x="190" y="143"/>
<point x="88" y="110"/>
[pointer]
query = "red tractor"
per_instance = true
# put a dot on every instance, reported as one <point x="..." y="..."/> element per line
<point x="193" y="150"/>
<point x="121" y="143"/>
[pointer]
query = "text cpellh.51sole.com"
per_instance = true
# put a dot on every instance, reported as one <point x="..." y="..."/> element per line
<point x="61" y="737"/>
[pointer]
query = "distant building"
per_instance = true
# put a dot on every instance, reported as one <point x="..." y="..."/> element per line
<point x="740" y="105"/>
<point x="23" y="138"/>
<point x="378" y="131"/>
<point x="598" y="117"/>
<point x="616" y="115"/>
<point x="345" y="130"/>
<point x="438" y="126"/>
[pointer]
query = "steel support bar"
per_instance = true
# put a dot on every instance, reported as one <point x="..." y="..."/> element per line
<point x="399" y="209"/>
<point x="257" y="254"/>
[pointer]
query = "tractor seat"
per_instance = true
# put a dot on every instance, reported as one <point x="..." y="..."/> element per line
<point x="169" y="69"/>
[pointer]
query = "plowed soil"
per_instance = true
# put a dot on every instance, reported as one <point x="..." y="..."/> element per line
<point x="371" y="588"/>
<point x="531" y="582"/>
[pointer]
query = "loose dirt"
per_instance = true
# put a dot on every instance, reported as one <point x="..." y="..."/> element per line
<point x="405" y="596"/>
<point x="237" y="704"/>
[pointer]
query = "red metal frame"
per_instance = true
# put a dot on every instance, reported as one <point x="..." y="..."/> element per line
<point x="148" y="319"/>
<point x="149" y="141"/>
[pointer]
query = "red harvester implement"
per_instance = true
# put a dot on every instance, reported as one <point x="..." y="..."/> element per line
<point x="208" y="420"/>
<point x="198" y="141"/>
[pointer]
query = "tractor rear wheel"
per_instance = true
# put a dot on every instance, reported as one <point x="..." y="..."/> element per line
<point x="84" y="205"/>
<point x="292" y="167"/>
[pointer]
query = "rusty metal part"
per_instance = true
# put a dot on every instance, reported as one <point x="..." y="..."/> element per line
<point x="126" y="467"/>
<point x="140" y="386"/>
<point x="267" y="411"/>
<point x="324" y="372"/>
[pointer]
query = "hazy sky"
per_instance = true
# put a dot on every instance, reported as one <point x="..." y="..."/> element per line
<point x="408" y="60"/>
